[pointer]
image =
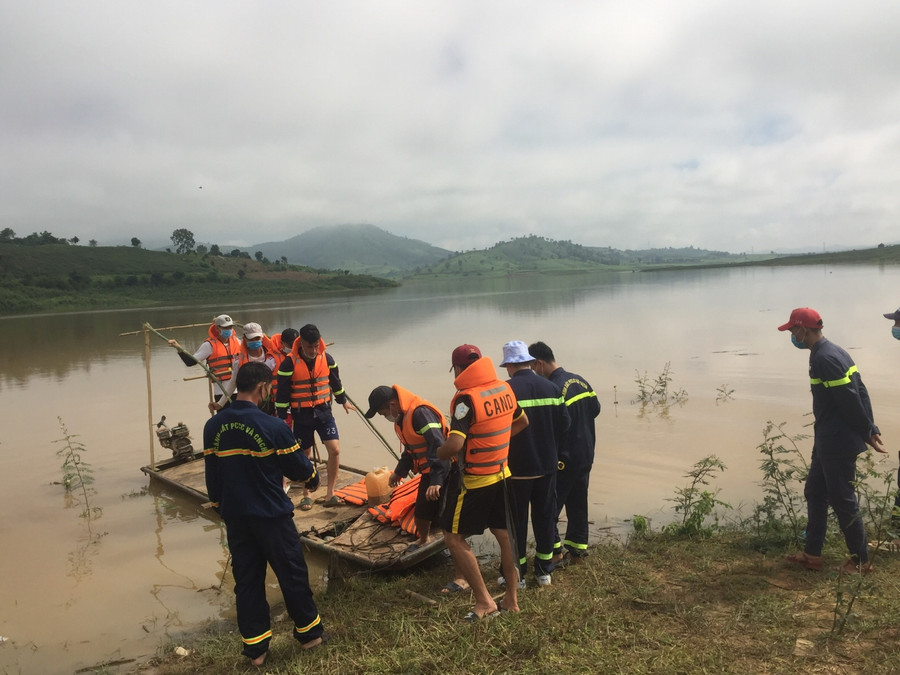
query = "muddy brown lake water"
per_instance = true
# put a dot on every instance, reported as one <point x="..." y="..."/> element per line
<point x="149" y="565"/>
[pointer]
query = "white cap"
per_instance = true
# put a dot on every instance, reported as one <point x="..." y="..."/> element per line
<point x="252" y="330"/>
<point x="223" y="321"/>
<point x="515" y="351"/>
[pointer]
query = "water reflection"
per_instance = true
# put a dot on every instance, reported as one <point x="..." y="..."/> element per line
<point x="168" y="508"/>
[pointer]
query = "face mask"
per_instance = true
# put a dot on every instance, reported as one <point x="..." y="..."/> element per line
<point x="392" y="418"/>
<point x="895" y="331"/>
<point x="226" y="332"/>
<point x="797" y="343"/>
<point x="254" y="344"/>
<point x="265" y="394"/>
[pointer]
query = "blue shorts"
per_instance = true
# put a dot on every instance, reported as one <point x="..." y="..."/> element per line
<point x="311" y="421"/>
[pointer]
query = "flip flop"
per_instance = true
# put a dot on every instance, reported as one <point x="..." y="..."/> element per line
<point x="305" y="504"/>
<point x="472" y="617"/>
<point x="453" y="587"/>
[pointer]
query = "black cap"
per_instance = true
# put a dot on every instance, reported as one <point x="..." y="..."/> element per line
<point x="893" y="316"/>
<point x="379" y="398"/>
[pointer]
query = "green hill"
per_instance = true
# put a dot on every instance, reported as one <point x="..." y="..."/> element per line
<point x="363" y="249"/>
<point x="539" y="254"/>
<point x="56" y="277"/>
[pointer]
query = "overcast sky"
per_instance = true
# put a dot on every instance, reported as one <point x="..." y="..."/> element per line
<point x="730" y="125"/>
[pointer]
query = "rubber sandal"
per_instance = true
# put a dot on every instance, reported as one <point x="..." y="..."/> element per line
<point x="852" y="567"/>
<point x="305" y="504"/>
<point x="810" y="562"/>
<point x="472" y="617"/>
<point x="332" y="501"/>
<point x="453" y="587"/>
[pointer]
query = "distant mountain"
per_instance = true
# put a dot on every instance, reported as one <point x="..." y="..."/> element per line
<point x="539" y="254"/>
<point x="361" y="249"/>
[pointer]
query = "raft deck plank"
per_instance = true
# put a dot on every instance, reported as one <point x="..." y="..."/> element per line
<point x="347" y="531"/>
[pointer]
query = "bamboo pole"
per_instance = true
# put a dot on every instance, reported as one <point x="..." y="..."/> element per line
<point x="149" y="399"/>
<point x="182" y="350"/>
<point x="372" y="427"/>
<point x="191" y="325"/>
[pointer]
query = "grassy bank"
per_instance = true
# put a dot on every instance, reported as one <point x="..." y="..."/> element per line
<point x="709" y="592"/>
<point x="58" y="277"/>
<point x="658" y="604"/>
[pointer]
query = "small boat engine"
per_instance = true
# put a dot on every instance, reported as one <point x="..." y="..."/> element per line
<point x="176" y="438"/>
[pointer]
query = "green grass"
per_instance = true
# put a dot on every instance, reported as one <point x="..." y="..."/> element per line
<point x="659" y="604"/>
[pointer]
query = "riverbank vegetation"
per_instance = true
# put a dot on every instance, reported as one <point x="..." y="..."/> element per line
<point x="709" y="592"/>
<point x="65" y="277"/>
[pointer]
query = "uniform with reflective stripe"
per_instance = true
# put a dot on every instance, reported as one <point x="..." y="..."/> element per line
<point x="576" y="456"/>
<point x="246" y="455"/>
<point x="534" y="451"/>
<point x="841" y="405"/>
<point x="414" y="440"/>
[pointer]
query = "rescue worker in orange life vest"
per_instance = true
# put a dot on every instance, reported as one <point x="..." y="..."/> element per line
<point x="308" y="379"/>
<point x="421" y="428"/>
<point x="484" y="416"/>
<point x="895" y="512"/>
<point x="283" y="341"/>
<point x="221" y="351"/>
<point x="281" y="344"/>
<point x="255" y="348"/>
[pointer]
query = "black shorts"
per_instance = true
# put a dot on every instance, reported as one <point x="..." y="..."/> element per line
<point x="424" y="509"/>
<point x="469" y="512"/>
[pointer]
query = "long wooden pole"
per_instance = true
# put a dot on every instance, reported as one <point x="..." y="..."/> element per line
<point x="182" y="350"/>
<point x="372" y="427"/>
<point x="149" y="399"/>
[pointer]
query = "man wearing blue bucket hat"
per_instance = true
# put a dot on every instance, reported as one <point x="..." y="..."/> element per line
<point x="533" y="459"/>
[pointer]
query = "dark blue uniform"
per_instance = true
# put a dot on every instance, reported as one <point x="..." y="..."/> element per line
<point x="246" y="453"/>
<point x="843" y="424"/>
<point x="533" y="460"/>
<point x="576" y="457"/>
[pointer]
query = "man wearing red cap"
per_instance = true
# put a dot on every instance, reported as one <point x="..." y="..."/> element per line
<point x="844" y="423"/>
<point x="484" y="415"/>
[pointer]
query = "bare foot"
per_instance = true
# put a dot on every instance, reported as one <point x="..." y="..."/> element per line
<point x="259" y="660"/>
<point x="312" y="644"/>
<point x="507" y="606"/>
<point x="480" y="611"/>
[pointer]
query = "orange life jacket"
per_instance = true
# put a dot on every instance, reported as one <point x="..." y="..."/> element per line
<point x="219" y="362"/>
<point x="277" y="344"/>
<point x="413" y="439"/>
<point x="355" y="493"/>
<point x="309" y="389"/>
<point x="493" y="407"/>
<point x="398" y="511"/>
<point x="273" y="346"/>
<point x="267" y="352"/>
